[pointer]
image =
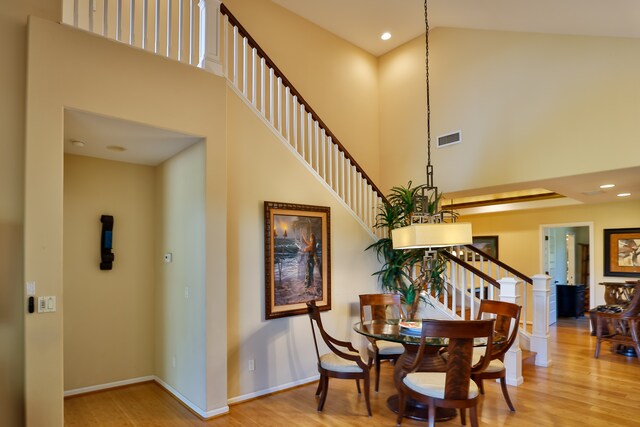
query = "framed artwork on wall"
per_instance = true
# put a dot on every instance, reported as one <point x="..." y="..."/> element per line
<point x="297" y="258"/>
<point x="622" y="252"/>
<point x="487" y="244"/>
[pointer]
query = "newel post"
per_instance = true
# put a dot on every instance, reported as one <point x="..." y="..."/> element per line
<point x="513" y="357"/>
<point x="540" y="337"/>
<point x="209" y="56"/>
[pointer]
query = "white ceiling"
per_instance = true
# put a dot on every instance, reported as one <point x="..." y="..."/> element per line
<point x="144" y="144"/>
<point x="361" y="22"/>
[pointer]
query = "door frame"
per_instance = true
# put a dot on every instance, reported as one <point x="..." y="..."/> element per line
<point x="543" y="227"/>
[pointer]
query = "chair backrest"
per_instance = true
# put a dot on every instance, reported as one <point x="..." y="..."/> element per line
<point x="378" y="305"/>
<point x="461" y="335"/>
<point x="314" y="316"/>
<point x="633" y="309"/>
<point x="507" y="316"/>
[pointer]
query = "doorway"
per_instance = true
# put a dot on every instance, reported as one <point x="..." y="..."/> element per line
<point x="567" y="257"/>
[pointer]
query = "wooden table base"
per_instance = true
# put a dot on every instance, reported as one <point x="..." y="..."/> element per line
<point x="418" y="411"/>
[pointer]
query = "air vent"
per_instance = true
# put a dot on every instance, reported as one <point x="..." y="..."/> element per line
<point x="450" y="139"/>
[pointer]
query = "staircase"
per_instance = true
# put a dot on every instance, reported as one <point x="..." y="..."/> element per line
<point x="205" y="33"/>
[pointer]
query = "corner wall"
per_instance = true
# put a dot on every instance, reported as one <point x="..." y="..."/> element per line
<point x="69" y="68"/>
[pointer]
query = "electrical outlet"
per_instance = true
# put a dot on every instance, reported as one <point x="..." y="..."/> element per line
<point x="252" y="365"/>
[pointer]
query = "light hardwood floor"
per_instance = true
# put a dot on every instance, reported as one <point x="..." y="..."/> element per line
<point x="577" y="390"/>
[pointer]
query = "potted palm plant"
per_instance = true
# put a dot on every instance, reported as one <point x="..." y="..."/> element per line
<point x="401" y="270"/>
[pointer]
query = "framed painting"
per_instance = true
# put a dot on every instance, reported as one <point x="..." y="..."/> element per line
<point x="297" y="258"/>
<point x="622" y="252"/>
<point x="487" y="244"/>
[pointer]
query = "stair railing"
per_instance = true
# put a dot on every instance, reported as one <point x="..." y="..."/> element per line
<point x="273" y="97"/>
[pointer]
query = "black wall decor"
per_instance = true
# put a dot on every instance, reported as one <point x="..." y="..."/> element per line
<point x="106" y="243"/>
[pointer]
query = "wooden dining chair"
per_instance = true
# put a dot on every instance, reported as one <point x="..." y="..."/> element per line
<point x="621" y="328"/>
<point x="379" y="305"/>
<point x="507" y="317"/>
<point x="452" y="388"/>
<point x="344" y="363"/>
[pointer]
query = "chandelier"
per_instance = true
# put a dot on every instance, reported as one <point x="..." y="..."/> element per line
<point x="430" y="226"/>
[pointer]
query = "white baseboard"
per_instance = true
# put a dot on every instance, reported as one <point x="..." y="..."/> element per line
<point x="259" y="393"/>
<point x="106" y="386"/>
<point x="195" y="408"/>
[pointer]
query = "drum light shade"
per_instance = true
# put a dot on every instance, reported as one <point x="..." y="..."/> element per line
<point x="432" y="235"/>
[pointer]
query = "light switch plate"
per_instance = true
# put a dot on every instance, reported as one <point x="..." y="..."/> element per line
<point x="46" y="304"/>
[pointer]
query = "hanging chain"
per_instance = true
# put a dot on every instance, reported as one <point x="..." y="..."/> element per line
<point x="426" y="67"/>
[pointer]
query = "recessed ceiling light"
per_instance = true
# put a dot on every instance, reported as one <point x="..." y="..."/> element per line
<point x="385" y="36"/>
<point x="117" y="148"/>
<point x="624" y="194"/>
<point x="77" y="143"/>
<point x="607" y="185"/>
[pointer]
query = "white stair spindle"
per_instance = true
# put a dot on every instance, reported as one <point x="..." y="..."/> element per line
<point x="180" y="28"/>
<point x="235" y="56"/>
<point x="105" y="18"/>
<point x="90" y="15"/>
<point x="119" y="20"/>
<point x="271" y="100"/>
<point x="302" y="131"/>
<point x="75" y="13"/>
<point x="191" y="30"/>
<point x="316" y="146"/>
<point x="156" y="42"/>
<point x="254" y="54"/>
<point x="225" y="43"/>
<point x="330" y="162"/>
<point x="244" y="66"/>
<point x="310" y="139"/>
<point x="262" y="87"/>
<point x="279" y="99"/>
<point x="132" y="22"/>
<point x="323" y="155"/>
<point x="145" y="23"/>
<point x="348" y="184"/>
<point x="169" y="12"/>
<point x="287" y="96"/>
<point x="295" y="122"/>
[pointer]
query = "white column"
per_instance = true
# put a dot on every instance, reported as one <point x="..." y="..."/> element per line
<point x="513" y="357"/>
<point x="209" y="58"/>
<point x="540" y="337"/>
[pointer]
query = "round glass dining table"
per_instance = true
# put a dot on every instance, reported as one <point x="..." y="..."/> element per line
<point x="432" y="361"/>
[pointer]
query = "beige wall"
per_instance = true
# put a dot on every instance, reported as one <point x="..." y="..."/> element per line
<point x="264" y="169"/>
<point x="519" y="233"/>
<point x="181" y="286"/>
<point x="530" y="106"/>
<point x="338" y="79"/>
<point x="69" y="68"/>
<point x="13" y="51"/>
<point x="108" y="315"/>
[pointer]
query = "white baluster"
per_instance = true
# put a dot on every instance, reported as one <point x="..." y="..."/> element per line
<point x="119" y="20"/>
<point x="302" y="132"/>
<point x="262" y="86"/>
<point x="342" y="178"/>
<point x="330" y="162"/>
<point x="316" y="145"/>
<point x="234" y="52"/>
<point x="323" y="154"/>
<point x="279" y="109"/>
<point x="180" y="28"/>
<point x="295" y="122"/>
<point x="156" y="42"/>
<point x="132" y="22"/>
<point x="105" y="18"/>
<point x="225" y="42"/>
<point x="348" y="184"/>
<point x="191" y="30"/>
<point x="169" y="14"/>
<point x="310" y="138"/>
<point x="271" y="76"/>
<point x="145" y="22"/>
<point x="254" y="54"/>
<point x="90" y="15"/>
<point x="287" y="96"/>
<point x="75" y="13"/>
<point x="244" y="65"/>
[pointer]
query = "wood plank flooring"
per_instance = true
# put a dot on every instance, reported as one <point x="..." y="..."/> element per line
<point x="577" y="390"/>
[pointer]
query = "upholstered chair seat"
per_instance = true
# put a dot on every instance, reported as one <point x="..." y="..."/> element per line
<point x="333" y="362"/>
<point x="387" y="348"/>
<point x="433" y="384"/>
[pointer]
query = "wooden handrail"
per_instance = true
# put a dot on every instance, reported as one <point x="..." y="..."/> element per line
<point x="500" y="264"/>
<point x="254" y="44"/>
<point x="471" y="268"/>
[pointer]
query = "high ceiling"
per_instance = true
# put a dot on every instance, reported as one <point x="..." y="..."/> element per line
<point x="361" y="22"/>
